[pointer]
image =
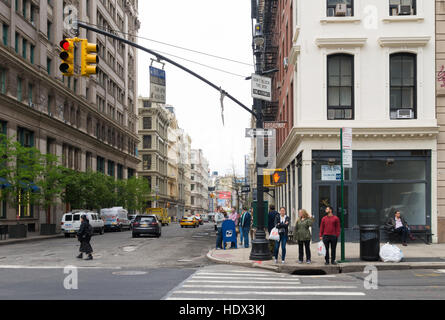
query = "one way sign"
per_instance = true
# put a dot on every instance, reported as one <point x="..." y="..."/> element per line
<point x="253" y="133"/>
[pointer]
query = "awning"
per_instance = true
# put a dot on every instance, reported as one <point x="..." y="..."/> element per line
<point x="4" y="183"/>
<point x="29" y="186"/>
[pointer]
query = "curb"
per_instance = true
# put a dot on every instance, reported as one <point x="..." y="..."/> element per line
<point x="24" y="240"/>
<point x="341" y="268"/>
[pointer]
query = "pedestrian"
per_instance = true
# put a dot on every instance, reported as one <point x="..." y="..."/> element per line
<point x="252" y="229"/>
<point x="246" y="221"/>
<point x="271" y="224"/>
<point x="399" y="225"/>
<point x="234" y="217"/>
<point x="84" y="236"/>
<point x="219" y="218"/>
<point x="303" y="235"/>
<point x="329" y="233"/>
<point x="282" y="224"/>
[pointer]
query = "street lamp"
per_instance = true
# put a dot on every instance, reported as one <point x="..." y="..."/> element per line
<point x="260" y="245"/>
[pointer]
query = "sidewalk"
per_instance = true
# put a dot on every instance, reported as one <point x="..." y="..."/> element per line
<point x="31" y="236"/>
<point x="416" y="256"/>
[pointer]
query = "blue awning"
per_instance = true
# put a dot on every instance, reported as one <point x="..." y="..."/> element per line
<point x="29" y="186"/>
<point x="4" y="183"/>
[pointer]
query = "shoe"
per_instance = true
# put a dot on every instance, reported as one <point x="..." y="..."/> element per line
<point x="334" y="263"/>
<point x="282" y="262"/>
<point x="326" y="263"/>
<point x="90" y="257"/>
<point x="404" y="244"/>
<point x="308" y="262"/>
<point x="80" y="256"/>
<point x="300" y="262"/>
<point x="276" y="261"/>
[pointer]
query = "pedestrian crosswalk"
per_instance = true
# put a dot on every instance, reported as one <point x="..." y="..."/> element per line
<point x="237" y="283"/>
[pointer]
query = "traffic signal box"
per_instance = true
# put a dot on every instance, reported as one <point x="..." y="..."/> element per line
<point x="274" y="177"/>
<point x="89" y="58"/>
<point x="67" y="57"/>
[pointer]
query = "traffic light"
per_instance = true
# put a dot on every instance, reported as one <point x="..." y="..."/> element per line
<point x="67" y="56"/>
<point x="89" y="58"/>
<point x="274" y="177"/>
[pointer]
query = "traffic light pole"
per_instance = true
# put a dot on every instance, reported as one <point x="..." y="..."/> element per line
<point x="161" y="57"/>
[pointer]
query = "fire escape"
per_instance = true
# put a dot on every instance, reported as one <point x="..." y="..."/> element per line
<point x="267" y="16"/>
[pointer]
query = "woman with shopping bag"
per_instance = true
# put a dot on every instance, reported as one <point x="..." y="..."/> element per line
<point x="282" y="224"/>
<point x="303" y="235"/>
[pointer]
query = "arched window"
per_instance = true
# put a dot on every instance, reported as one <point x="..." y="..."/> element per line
<point x="340" y="86"/>
<point x="403" y="86"/>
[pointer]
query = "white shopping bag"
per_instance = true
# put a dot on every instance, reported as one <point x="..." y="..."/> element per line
<point x="390" y="253"/>
<point x="274" y="235"/>
<point x="321" y="249"/>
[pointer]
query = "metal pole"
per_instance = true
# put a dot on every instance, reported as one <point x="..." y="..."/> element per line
<point x="342" y="202"/>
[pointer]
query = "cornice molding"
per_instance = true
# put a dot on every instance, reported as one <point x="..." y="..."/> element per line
<point x="340" y="42"/>
<point x="294" y="52"/>
<point x="404" y="41"/>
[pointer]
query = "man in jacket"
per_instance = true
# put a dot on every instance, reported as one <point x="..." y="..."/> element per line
<point x="271" y="224"/>
<point x="399" y="225"/>
<point x="84" y="236"/>
<point x="246" y="219"/>
<point x="329" y="233"/>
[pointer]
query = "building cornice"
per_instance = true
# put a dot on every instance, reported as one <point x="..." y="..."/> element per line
<point x="404" y="41"/>
<point x="297" y="135"/>
<point x="340" y="42"/>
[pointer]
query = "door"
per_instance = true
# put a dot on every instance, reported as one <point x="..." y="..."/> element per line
<point x="330" y="195"/>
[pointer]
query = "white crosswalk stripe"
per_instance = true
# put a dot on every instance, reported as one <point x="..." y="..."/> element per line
<point x="241" y="284"/>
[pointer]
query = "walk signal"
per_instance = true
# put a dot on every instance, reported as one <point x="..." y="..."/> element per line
<point x="67" y="56"/>
<point x="274" y="177"/>
<point x="89" y="59"/>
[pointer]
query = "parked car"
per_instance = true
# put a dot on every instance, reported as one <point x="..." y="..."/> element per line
<point x="188" y="222"/>
<point x="71" y="222"/>
<point x="115" y="218"/>
<point x="146" y="224"/>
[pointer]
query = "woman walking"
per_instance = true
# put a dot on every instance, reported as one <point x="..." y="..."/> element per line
<point x="303" y="235"/>
<point x="84" y="236"/>
<point x="282" y="224"/>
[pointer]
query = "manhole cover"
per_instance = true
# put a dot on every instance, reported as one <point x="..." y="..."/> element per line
<point x="129" y="273"/>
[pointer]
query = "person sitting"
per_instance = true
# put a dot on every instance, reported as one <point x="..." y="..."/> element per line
<point x="399" y="225"/>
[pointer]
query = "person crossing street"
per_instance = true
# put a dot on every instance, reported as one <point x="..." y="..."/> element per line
<point x="84" y="236"/>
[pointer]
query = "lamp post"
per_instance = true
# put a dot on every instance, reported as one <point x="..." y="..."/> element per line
<point x="260" y="245"/>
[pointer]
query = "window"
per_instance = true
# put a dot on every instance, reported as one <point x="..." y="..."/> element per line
<point x="120" y="171"/>
<point x="5" y="34"/>
<point x="48" y="32"/>
<point x="17" y="37"/>
<point x="340" y="86"/>
<point x="25" y="137"/>
<point x="147" y="142"/>
<point x="403" y="85"/>
<point x="31" y="53"/>
<point x="111" y="168"/>
<point x="48" y="65"/>
<point x="146" y="162"/>
<point x="100" y="165"/>
<point x="19" y="89"/>
<point x="2" y="81"/>
<point x="402" y="7"/>
<point x="30" y="92"/>
<point x="147" y="123"/>
<point x="147" y="104"/>
<point x="339" y="8"/>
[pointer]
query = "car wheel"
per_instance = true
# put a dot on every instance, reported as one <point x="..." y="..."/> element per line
<point x="182" y="226"/>
<point x="134" y="235"/>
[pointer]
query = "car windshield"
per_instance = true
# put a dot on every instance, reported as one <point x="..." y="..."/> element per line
<point x="68" y="217"/>
<point x="145" y="219"/>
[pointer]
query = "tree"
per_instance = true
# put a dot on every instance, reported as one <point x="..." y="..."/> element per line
<point x="138" y="194"/>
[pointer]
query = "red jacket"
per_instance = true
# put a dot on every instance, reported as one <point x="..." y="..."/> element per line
<point x="330" y="226"/>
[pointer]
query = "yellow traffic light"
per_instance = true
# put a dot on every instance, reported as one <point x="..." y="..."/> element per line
<point x="67" y="56"/>
<point x="89" y="59"/>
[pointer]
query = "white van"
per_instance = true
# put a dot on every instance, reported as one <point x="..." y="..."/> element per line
<point x="115" y="218"/>
<point x="71" y="222"/>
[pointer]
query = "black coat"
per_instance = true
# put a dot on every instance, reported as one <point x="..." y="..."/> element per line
<point x="283" y="228"/>
<point x="391" y="223"/>
<point x="271" y="220"/>
<point x="84" y="236"/>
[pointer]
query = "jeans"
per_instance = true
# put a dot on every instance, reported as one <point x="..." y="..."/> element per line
<point x="330" y="241"/>
<point x="246" y="236"/>
<point x="403" y="231"/>
<point x="304" y="245"/>
<point x="283" y="240"/>
<point x="219" y="238"/>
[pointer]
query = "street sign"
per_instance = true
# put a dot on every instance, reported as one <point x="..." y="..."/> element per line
<point x="157" y="85"/>
<point x="245" y="189"/>
<point x="275" y="125"/>
<point x="330" y="173"/>
<point x="347" y="138"/>
<point x="253" y="133"/>
<point x="347" y="158"/>
<point x="261" y="87"/>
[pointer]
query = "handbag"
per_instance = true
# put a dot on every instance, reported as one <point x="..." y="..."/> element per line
<point x="321" y="249"/>
<point x="274" y="235"/>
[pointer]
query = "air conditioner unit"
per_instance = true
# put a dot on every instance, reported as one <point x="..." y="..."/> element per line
<point x="405" y="10"/>
<point x="286" y="62"/>
<point x="405" y="114"/>
<point x="340" y="10"/>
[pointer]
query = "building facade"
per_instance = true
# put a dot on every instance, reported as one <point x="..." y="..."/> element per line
<point x="153" y="149"/>
<point x="199" y="183"/>
<point x="366" y="65"/>
<point x="88" y="122"/>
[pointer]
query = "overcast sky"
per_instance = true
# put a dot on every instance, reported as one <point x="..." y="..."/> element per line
<point x="221" y="28"/>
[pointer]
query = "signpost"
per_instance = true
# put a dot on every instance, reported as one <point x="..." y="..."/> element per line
<point x="346" y="162"/>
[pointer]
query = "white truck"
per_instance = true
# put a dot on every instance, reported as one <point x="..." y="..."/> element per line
<point x="71" y="222"/>
<point x="115" y="218"/>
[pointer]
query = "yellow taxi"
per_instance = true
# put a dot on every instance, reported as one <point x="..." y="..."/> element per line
<point x="188" y="222"/>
